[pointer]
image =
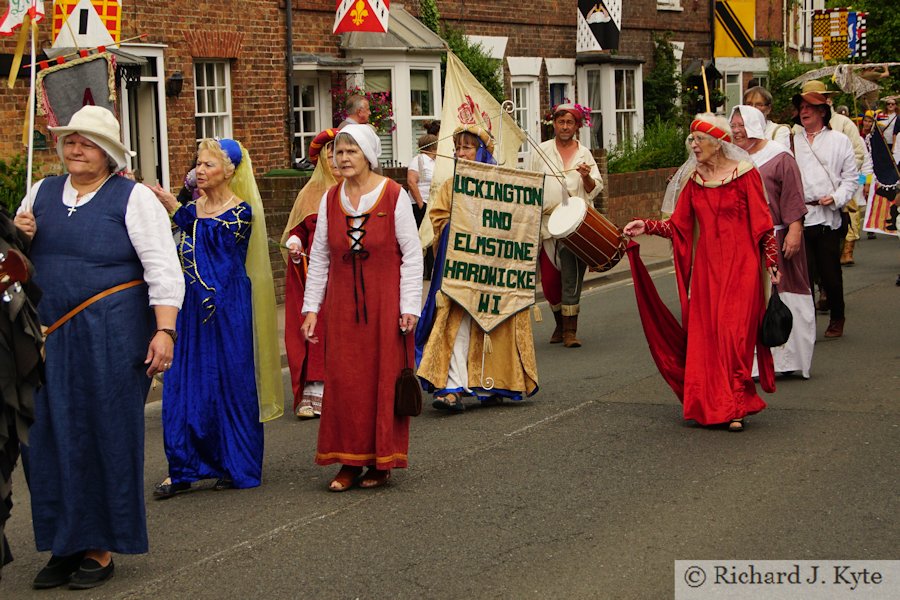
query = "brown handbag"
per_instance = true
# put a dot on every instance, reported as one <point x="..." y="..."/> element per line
<point x="407" y="391"/>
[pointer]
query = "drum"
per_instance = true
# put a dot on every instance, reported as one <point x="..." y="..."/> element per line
<point x="588" y="234"/>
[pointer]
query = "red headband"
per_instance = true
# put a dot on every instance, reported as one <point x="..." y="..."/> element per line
<point x="709" y="128"/>
<point x="315" y="146"/>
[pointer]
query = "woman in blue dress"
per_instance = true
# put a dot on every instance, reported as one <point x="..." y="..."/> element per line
<point x="215" y="396"/>
<point x="96" y="236"/>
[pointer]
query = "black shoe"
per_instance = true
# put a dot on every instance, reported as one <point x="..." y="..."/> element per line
<point x="90" y="574"/>
<point x="58" y="571"/>
<point x="167" y="490"/>
<point x="223" y="483"/>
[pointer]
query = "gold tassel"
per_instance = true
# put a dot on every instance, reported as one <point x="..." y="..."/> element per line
<point x="538" y="317"/>
<point x="488" y="346"/>
<point x="440" y="300"/>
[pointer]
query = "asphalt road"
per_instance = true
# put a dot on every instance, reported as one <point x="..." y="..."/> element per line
<point x="592" y="489"/>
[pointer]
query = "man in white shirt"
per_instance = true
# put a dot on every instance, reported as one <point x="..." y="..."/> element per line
<point x="358" y="111"/>
<point x="830" y="178"/>
<point x="574" y="165"/>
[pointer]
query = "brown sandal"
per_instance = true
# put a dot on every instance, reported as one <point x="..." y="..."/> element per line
<point x="345" y="479"/>
<point x="375" y="478"/>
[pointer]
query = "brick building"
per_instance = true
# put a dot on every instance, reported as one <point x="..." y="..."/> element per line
<point x="221" y="69"/>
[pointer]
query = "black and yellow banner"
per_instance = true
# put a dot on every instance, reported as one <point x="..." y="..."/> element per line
<point x="735" y="28"/>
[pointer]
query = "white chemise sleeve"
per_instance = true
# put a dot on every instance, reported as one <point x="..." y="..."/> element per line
<point x="412" y="262"/>
<point x="150" y="233"/>
<point x="319" y="262"/>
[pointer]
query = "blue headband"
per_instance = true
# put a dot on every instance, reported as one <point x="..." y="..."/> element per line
<point x="232" y="149"/>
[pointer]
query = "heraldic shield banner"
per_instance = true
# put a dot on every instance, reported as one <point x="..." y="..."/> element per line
<point x="494" y="241"/>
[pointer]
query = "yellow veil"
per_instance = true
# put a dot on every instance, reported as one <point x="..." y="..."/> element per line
<point x="266" y="351"/>
<point x="308" y="199"/>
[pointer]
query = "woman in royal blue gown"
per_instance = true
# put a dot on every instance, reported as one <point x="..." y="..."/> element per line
<point x="214" y="400"/>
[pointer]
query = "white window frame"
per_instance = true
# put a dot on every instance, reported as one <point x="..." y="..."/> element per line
<point x="416" y="128"/>
<point x="607" y="107"/>
<point x="528" y="116"/>
<point x="223" y="115"/>
<point x="626" y="111"/>
<point x="151" y="53"/>
<point x="321" y="110"/>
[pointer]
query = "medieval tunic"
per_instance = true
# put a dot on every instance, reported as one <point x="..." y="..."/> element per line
<point x="372" y="262"/>
<point x="721" y="293"/>
<point x="784" y="190"/>
<point x="451" y="359"/>
<point x="86" y="454"/>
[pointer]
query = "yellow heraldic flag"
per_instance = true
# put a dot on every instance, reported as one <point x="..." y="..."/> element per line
<point x="466" y="102"/>
<point x="494" y="239"/>
<point x="735" y="28"/>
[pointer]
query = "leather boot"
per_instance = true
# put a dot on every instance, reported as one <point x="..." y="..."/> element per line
<point x="557" y="336"/>
<point x="835" y="328"/>
<point x="847" y="254"/>
<point x="570" y="328"/>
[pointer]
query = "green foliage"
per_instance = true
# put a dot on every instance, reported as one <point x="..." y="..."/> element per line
<point x="661" y="84"/>
<point x="783" y="68"/>
<point x="693" y="96"/>
<point x="485" y="69"/>
<point x="13" y="179"/>
<point x="429" y="15"/>
<point x="662" y="146"/>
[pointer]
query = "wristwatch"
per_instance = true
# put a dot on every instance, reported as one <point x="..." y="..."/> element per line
<point x="171" y="333"/>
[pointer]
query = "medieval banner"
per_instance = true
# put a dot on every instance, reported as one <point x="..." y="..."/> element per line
<point x="466" y="102"/>
<point x="64" y="88"/>
<point x="15" y="14"/>
<point x="492" y="249"/>
<point x="735" y="28"/>
<point x="838" y="33"/>
<point x="599" y="25"/>
<point x="361" y="15"/>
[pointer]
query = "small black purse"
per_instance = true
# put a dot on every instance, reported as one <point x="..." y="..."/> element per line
<point x="407" y="391"/>
<point x="776" y="323"/>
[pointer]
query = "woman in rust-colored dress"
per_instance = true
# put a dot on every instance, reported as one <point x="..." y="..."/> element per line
<point x="366" y="263"/>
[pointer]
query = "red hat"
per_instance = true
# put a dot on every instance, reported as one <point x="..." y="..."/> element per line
<point x="318" y="142"/>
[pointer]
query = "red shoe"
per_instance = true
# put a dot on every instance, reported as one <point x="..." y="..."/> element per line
<point x="835" y="328"/>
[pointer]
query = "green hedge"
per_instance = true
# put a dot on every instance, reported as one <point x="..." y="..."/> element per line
<point x="661" y="146"/>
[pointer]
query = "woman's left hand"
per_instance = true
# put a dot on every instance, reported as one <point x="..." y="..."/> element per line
<point x="159" y="353"/>
<point x="407" y="323"/>
<point x="774" y="275"/>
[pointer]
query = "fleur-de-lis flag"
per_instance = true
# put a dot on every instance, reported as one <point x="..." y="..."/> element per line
<point x="361" y="15"/>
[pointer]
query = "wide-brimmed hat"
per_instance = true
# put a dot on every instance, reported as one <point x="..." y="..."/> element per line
<point x="814" y="85"/>
<point x="814" y="98"/>
<point x="100" y="126"/>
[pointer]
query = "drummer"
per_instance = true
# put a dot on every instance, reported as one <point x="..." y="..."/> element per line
<point x="569" y="163"/>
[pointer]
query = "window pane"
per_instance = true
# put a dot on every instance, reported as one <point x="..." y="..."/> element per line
<point x="201" y="102"/>
<point x="309" y="96"/>
<point x="629" y="89"/>
<point x="558" y="93"/>
<point x="211" y="100"/>
<point x="199" y="75"/>
<point x="421" y="93"/>
<point x="378" y="81"/>
<point x="308" y="121"/>
<point x="620" y="89"/>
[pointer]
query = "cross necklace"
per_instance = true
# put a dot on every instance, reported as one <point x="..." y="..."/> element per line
<point x="79" y="196"/>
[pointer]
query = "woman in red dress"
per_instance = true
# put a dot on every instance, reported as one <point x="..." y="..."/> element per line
<point x="306" y="361"/>
<point x="721" y="231"/>
<point x="366" y="250"/>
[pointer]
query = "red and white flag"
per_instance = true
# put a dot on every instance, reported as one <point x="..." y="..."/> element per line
<point x="15" y="14"/>
<point x="361" y="15"/>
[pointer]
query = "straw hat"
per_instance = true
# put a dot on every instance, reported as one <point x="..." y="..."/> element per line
<point x="480" y="132"/>
<point x="100" y="126"/>
<point x="814" y="85"/>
